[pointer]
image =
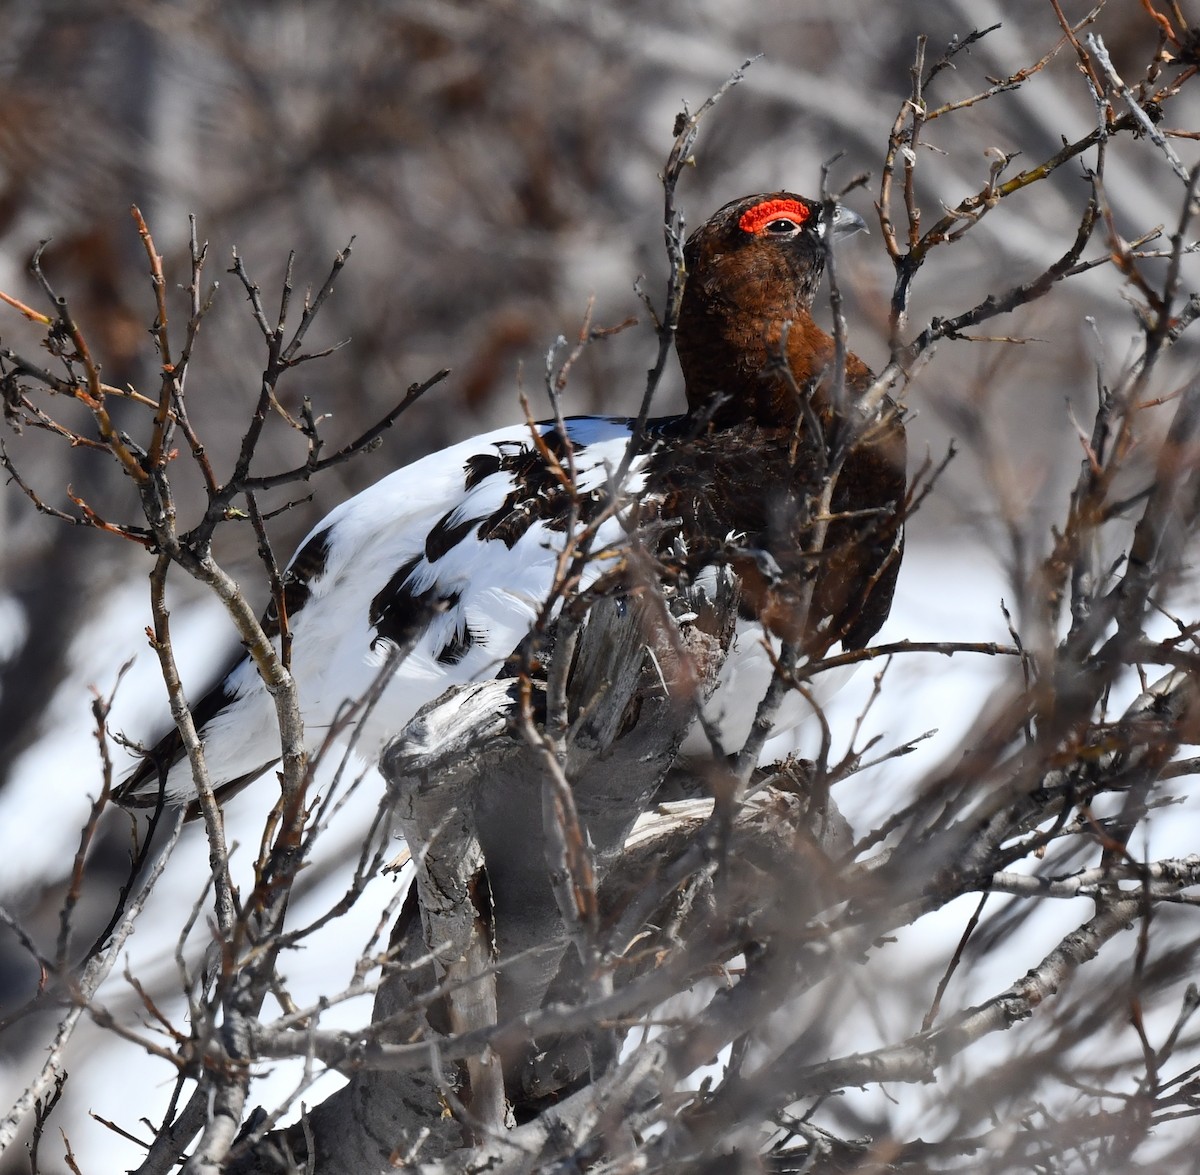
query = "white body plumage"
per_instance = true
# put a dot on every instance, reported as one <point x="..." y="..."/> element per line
<point x="488" y="594"/>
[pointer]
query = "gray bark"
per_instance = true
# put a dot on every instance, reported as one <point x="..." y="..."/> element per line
<point x="470" y="792"/>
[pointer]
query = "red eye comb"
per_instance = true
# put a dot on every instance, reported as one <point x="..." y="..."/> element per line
<point x="754" y="218"/>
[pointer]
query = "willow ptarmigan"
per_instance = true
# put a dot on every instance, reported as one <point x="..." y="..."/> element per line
<point x="453" y="556"/>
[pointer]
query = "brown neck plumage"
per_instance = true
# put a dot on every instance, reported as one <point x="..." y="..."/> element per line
<point x="735" y="355"/>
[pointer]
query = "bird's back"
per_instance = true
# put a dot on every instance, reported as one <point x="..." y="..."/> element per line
<point x="436" y="572"/>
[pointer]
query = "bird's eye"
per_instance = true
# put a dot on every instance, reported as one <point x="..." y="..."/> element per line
<point x="781" y="226"/>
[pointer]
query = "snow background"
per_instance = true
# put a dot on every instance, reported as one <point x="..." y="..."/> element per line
<point x="946" y="592"/>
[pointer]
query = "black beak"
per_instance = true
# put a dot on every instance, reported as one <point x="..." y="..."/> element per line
<point x="846" y="223"/>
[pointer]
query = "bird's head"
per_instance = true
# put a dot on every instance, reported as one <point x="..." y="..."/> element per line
<point x="753" y="265"/>
<point x="765" y="250"/>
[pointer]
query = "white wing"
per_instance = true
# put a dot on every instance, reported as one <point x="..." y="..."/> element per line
<point x="454" y="555"/>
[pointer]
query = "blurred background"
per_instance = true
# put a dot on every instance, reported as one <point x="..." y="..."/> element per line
<point x="497" y="164"/>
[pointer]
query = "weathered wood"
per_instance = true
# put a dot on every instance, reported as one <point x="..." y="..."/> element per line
<point x="466" y="777"/>
<point x="469" y="802"/>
